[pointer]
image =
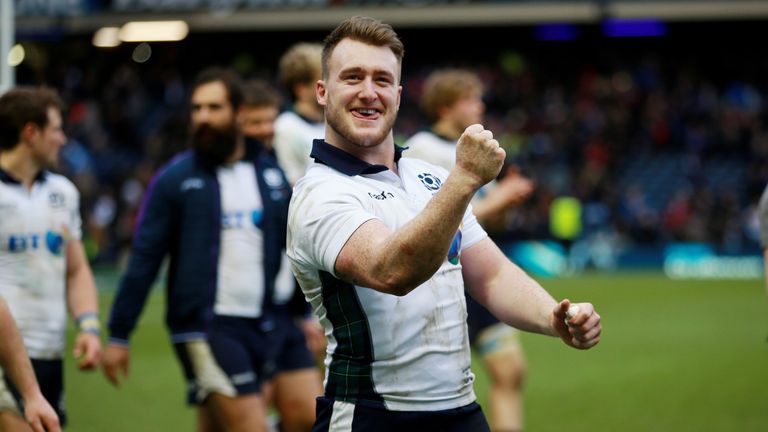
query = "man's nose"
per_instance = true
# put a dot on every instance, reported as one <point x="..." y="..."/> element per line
<point x="367" y="89"/>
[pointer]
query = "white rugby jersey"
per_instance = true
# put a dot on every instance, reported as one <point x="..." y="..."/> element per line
<point x="35" y="227"/>
<point x="240" y="287"/>
<point x="293" y="142"/>
<point x="410" y="353"/>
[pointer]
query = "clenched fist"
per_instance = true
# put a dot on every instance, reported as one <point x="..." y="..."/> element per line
<point x="479" y="155"/>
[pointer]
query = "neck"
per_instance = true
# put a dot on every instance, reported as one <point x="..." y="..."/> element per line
<point x="447" y="129"/>
<point x="309" y="109"/>
<point x="382" y="153"/>
<point x="19" y="165"/>
<point x="239" y="152"/>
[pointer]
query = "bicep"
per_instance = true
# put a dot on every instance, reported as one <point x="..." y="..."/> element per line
<point x="481" y="264"/>
<point x="357" y="256"/>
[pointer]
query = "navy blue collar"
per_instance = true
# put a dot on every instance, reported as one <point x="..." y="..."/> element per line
<point x="6" y="177"/>
<point x="344" y="162"/>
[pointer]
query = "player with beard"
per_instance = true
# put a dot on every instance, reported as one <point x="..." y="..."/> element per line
<point x="219" y="212"/>
<point x="383" y="247"/>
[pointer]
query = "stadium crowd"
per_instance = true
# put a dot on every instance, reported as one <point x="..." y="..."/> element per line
<point x="636" y="140"/>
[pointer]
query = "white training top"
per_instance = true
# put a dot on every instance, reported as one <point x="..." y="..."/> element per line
<point x="411" y="353"/>
<point x="35" y="227"/>
<point x="293" y="142"/>
<point x="240" y="288"/>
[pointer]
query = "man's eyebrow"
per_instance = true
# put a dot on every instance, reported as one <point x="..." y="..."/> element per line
<point x="353" y="69"/>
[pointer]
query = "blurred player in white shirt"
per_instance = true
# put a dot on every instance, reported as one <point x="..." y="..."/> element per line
<point x="43" y="267"/>
<point x="298" y="71"/>
<point x="453" y="100"/>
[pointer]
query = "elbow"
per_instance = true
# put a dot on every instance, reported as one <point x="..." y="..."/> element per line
<point x="402" y="283"/>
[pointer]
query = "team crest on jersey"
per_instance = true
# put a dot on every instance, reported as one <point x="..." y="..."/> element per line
<point x="454" y="253"/>
<point x="273" y="178"/>
<point x="430" y="181"/>
<point x="56" y="199"/>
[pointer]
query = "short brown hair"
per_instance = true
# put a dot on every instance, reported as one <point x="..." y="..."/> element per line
<point x="300" y="65"/>
<point x="259" y="93"/>
<point x="23" y="105"/>
<point x="445" y="87"/>
<point x="363" y="29"/>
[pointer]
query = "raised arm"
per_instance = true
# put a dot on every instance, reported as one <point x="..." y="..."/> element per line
<point x="518" y="300"/>
<point x="396" y="262"/>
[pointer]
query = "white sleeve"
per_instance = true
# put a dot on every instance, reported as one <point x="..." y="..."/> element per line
<point x="292" y="154"/>
<point x="320" y="223"/>
<point x="471" y="230"/>
<point x="74" y="222"/>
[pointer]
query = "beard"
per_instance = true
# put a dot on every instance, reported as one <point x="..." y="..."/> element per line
<point x="336" y="121"/>
<point x="214" y="144"/>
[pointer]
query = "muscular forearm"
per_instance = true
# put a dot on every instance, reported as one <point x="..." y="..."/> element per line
<point x="406" y="258"/>
<point x="518" y="300"/>
<point x="506" y="290"/>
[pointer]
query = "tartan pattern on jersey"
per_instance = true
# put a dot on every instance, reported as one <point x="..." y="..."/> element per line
<point x="350" y="373"/>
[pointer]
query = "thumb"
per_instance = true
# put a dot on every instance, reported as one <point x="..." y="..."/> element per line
<point x="561" y="309"/>
<point x="77" y="351"/>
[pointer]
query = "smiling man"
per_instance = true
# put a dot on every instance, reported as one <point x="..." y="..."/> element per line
<point x="383" y="247"/>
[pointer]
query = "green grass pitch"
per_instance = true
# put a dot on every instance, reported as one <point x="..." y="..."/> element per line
<point x="675" y="356"/>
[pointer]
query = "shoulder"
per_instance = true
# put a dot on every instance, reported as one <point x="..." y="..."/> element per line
<point x="287" y="118"/>
<point x="419" y="137"/>
<point x="290" y="122"/>
<point x="176" y="169"/>
<point x="324" y="184"/>
<point x="59" y="182"/>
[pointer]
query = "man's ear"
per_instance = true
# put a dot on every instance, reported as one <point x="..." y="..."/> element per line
<point x="320" y="92"/>
<point x="28" y="132"/>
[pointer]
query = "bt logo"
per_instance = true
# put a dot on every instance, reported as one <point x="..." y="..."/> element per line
<point x="239" y="219"/>
<point x="17" y="243"/>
